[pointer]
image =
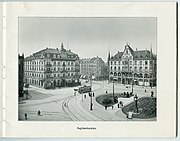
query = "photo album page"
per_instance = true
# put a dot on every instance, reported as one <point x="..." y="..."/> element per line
<point x="92" y="69"/>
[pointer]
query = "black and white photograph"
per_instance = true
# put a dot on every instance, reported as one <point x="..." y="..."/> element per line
<point x="87" y="69"/>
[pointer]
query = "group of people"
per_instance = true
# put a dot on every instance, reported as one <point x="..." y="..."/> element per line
<point x="120" y="105"/>
<point x="38" y="113"/>
<point x="90" y="94"/>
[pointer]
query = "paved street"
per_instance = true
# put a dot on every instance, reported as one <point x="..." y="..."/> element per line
<point x="62" y="105"/>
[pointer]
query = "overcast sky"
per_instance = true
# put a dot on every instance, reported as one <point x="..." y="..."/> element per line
<point x="88" y="37"/>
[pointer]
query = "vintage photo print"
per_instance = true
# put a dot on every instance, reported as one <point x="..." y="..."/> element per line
<point x="87" y="69"/>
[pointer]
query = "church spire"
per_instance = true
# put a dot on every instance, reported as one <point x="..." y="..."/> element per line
<point x="109" y="56"/>
<point x="151" y="54"/>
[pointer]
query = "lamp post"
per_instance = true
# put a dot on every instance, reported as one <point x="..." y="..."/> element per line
<point x="113" y="87"/>
<point x="91" y="104"/>
<point x="136" y="105"/>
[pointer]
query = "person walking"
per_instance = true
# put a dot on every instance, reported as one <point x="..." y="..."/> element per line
<point x="25" y="115"/>
<point x="152" y="94"/>
<point x="39" y="112"/>
<point x="118" y="105"/>
<point x="112" y="107"/>
<point x="106" y="107"/>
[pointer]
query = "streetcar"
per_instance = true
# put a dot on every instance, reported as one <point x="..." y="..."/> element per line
<point x="84" y="89"/>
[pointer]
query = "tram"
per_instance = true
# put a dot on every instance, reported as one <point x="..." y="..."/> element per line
<point x="84" y="89"/>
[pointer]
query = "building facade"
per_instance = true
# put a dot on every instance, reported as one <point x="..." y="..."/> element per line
<point x="50" y="68"/>
<point x="21" y="74"/>
<point x="137" y="67"/>
<point x="95" y="67"/>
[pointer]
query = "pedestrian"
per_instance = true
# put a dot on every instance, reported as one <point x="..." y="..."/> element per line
<point x="145" y="90"/>
<point x="106" y="107"/>
<point x="122" y="104"/>
<point x="84" y="96"/>
<point x="118" y="105"/>
<point x="39" y="112"/>
<point x="152" y="93"/>
<point x="93" y="94"/>
<point x="112" y="107"/>
<point x="25" y="116"/>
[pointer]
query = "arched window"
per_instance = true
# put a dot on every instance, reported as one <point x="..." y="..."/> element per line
<point x="111" y="67"/>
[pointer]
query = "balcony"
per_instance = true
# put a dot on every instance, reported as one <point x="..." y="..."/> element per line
<point x="48" y="65"/>
<point x="48" y="71"/>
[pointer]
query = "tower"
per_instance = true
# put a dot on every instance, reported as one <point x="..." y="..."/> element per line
<point x="62" y="47"/>
<point x="109" y="56"/>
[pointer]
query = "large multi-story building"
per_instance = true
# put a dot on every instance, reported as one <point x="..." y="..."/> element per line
<point x="21" y="75"/>
<point x="51" y="68"/>
<point x="94" y="67"/>
<point x="133" y="67"/>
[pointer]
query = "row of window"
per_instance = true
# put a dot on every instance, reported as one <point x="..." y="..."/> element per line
<point x="131" y="75"/>
<point x="130" y="62"/>
<point x="48" y="75"/>
<point x="27" y="68"/>
<point x="129" y="68"/>
<point x="59" y="56"/>
<point x="34" y="74"/>
<point x="36" y="63"/>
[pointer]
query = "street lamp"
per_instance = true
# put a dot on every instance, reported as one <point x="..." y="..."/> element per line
<point x="113" y="87"/>
<point x="91" y="104"/>
<point x="136" y="105"/>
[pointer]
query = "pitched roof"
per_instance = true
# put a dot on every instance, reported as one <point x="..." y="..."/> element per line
<point x="51" y="51"/>
<point x="142" y="55"/>
<point x="131" y="50"/>
<point x="29" y="58"/>
<point x="137" y="55"/>
<point x="117" y="56"/>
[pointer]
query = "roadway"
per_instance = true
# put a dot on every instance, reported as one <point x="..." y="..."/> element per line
<point x="62" y="105"/>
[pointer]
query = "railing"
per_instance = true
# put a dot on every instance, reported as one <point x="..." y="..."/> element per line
<point x="48" y="65"/>
<point x="48" y="71"/>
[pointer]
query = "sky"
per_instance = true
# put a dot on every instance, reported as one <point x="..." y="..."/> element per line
<point x="88" y="37"/>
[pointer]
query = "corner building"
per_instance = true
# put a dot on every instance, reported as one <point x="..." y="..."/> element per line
<point x="137" y="67"/>
<point x="50" y="68"/>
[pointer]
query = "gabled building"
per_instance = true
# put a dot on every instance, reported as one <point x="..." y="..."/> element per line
<point x="95" y="67"/>
<point x="137" y="67"/>
<point x="50" y="68"/>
